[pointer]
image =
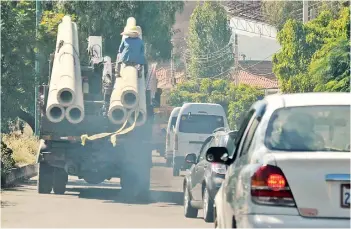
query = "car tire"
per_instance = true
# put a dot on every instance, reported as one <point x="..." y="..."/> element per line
<point x="189" y="211"/>
<point x="45" y="178"/>
<point x="60" y="181"/>
<point x="207" y="206"/>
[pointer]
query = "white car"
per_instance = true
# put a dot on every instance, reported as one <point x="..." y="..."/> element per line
<point x="170" y="136"/>
<point x="291" y="165"/>
<point x="195" y="123"/>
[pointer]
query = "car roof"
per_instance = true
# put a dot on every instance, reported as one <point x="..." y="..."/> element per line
<point x="175" y="111"/>
<point x="310" y="99"/>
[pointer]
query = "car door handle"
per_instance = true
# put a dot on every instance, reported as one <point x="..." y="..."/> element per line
<point x="205" y="166"/>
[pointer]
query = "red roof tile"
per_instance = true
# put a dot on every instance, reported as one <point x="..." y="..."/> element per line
<point x="243" y="77"/>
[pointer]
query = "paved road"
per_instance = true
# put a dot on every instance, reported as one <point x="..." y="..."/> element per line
<point x="101" y="205"/>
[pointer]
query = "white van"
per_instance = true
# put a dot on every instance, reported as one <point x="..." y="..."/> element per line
<point x="170" y="135"/>
<point x="195" y="122"/>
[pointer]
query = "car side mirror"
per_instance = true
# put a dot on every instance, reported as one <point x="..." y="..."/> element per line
<point x="218" y="154"/>
<point x="190" y="159"/>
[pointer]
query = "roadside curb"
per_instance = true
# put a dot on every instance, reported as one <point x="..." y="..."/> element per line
<point x="24" y="172"/>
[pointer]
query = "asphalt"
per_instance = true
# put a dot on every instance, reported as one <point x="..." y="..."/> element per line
<point x="103" y="205"/>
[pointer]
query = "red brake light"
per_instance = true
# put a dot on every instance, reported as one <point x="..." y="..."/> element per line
<point x="269" y="186"/>
<point x="276" y="181"/>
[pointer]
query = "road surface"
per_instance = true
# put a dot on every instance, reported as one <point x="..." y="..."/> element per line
<point x="85" y="205"/>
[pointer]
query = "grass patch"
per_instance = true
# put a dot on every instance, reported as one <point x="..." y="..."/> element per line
<point x="24" y="147"/>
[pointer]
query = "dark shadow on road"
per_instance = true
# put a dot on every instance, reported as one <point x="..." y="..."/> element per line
<point x="111" y="195"/>
<point x="82" y="183"/>
<point x="6" y="204"/>
<point x="20" y="185"/>
<point x="159" y="164"/>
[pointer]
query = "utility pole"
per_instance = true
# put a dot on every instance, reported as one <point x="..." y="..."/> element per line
<point x="172" y="68"/>
<point x="37" y="67"/>
<point x="305" y="11"/>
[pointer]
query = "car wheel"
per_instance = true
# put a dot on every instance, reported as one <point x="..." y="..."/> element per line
<point x="189" y="211"/>
<point x="60" y="181"/>
<point x="45" y="180"/>
<point x="207" y="206"/>
<point x="216" y="223"/>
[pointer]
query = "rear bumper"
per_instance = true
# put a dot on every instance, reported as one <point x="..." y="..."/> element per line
<point x="287" y="221"/>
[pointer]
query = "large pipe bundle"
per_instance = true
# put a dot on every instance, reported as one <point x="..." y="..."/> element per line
<point x="55" y="111"/>
<point x="117" y="113"/>
<point x="66" y="94"/>
<point x="75" y="112"/>
<point x="129" y="95"/>
<point x="65" y="88"/>
<point x="142" y="115"/>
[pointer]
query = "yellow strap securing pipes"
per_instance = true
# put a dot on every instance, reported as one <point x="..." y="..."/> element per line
<point x="113" y="135"/>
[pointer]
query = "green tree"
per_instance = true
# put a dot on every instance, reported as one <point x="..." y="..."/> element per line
<point x="330" y="67"/>
<point x="241" y="98"/>
<point x="209" y="33"/>
<point x="277" y="13"/>
<point x="313" y="50"/>
<point x="236" y="100"/>
<point x="17" y="59"/>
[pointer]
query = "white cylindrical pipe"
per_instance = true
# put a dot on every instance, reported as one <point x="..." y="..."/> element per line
<point x="55" y="112"/>
<point x="67" y="60"/>
<point x="142" y="116"/>
<point x="75" y="112"/>
<point x="117" y="114"/>
<point x="129" y="88"/>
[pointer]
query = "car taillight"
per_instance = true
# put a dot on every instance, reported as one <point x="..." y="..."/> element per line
<point x="176" y="141"/>
<point x="219" y="168"/>
<point x="269" y="186"/>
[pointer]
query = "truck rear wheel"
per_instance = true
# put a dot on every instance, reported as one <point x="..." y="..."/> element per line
<point x="45" y="178"/>
<point x="60" y="181"/>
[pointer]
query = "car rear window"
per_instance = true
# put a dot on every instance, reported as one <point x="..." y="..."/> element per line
<point x="200" y="124"/>
<point x="310" y="128"/>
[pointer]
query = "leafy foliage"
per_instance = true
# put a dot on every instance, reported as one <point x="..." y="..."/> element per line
<point x="107" y="19"/>
<point x="17" y="58"/>
<point x="209" y="33"/>
<point x="330" y="68"/>
<point x="314" y="56"/>
<point x="236" y="100"/>
<point x="277" y="13"/>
